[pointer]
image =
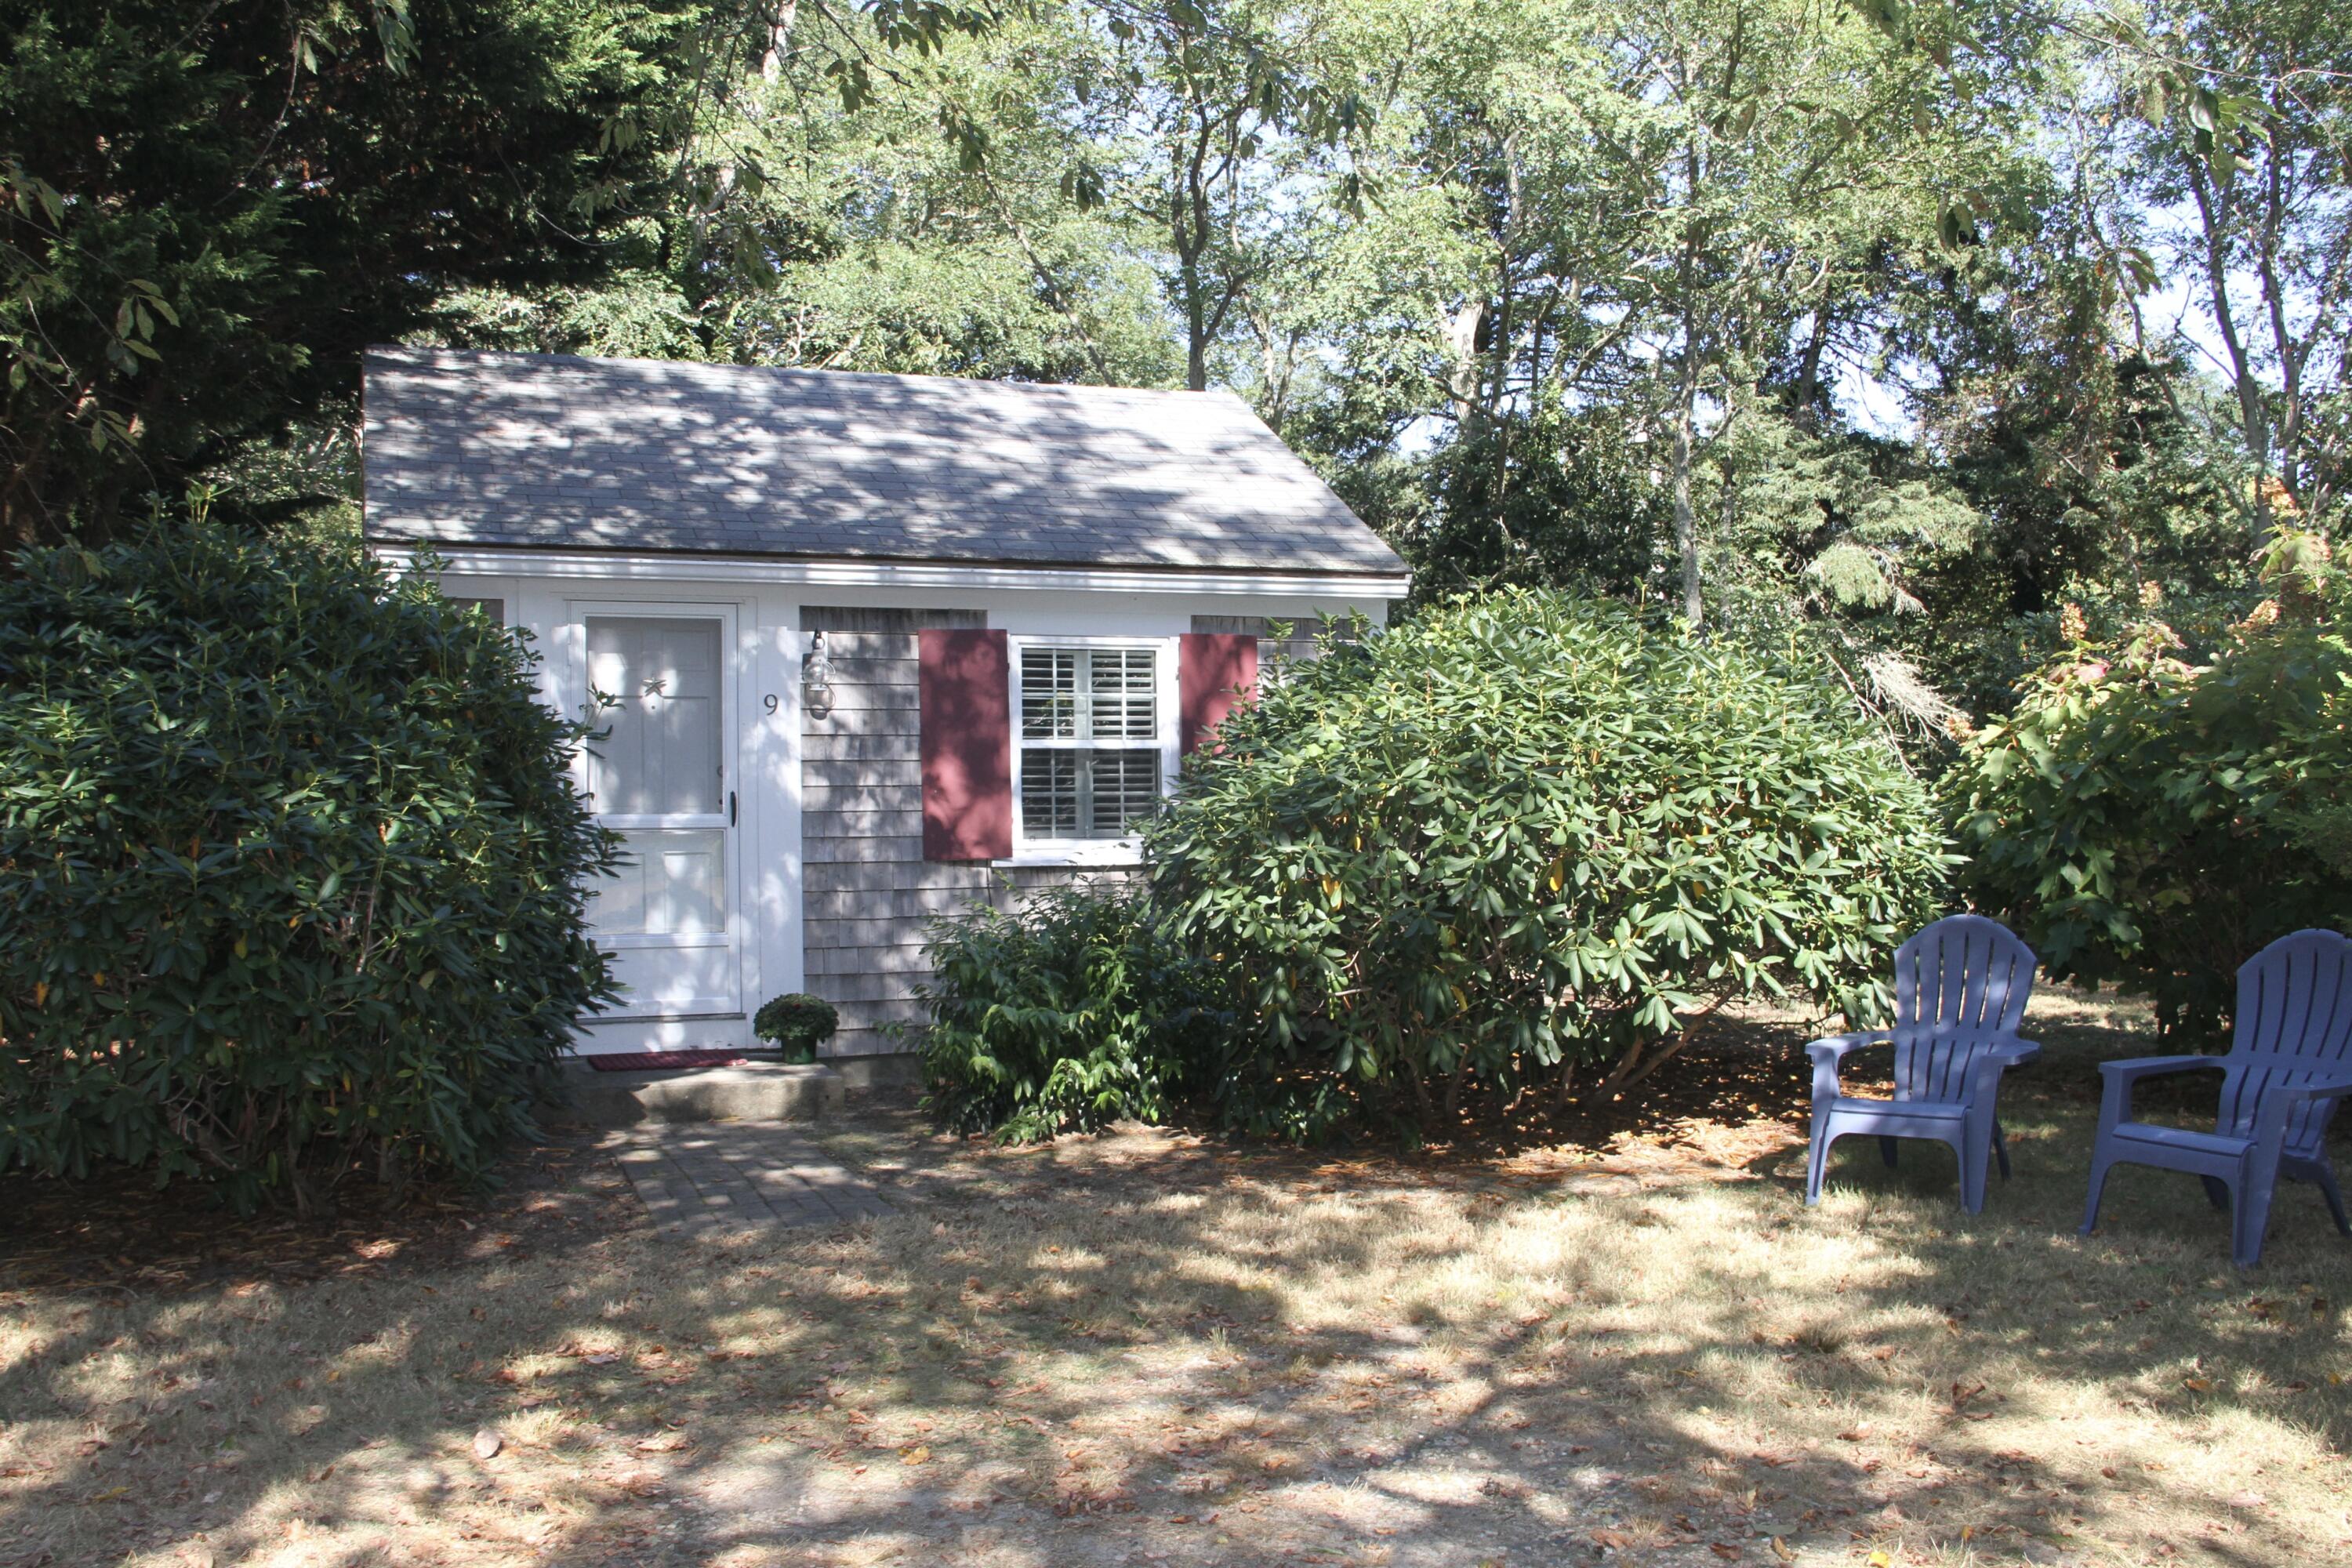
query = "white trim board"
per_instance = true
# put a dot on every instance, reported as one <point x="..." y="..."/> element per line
<point x="608" y="566"/>
<point x="1167" y="700"/>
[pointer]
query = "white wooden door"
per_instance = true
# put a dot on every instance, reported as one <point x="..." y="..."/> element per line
<point x="663" y="777"/>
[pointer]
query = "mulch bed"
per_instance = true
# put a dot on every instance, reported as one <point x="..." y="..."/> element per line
<point x="114" y="1232"/>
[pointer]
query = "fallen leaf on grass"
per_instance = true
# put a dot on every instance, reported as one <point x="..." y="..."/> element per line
<point x="915" y="1454"/>
<point x="2198" y="1385"/>
<point x="1781" y="1549"/>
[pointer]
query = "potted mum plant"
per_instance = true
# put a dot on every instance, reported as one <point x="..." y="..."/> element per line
<point x="796" y="1023"/>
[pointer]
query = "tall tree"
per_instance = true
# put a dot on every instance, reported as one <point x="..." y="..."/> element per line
<point x="2242" y="163"/>
<point x="1662" y="208"/>
<point x="209" y="209"/>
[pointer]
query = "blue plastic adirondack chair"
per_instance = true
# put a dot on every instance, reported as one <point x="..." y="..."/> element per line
<point x="1960" y="988"/>
<point x="2289" y="1063"/>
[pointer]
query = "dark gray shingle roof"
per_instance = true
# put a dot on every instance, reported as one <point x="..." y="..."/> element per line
<point x="646" y="455"/>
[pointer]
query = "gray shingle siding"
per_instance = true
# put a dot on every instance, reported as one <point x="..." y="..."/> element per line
<point x="867" y="891"/>
<point x="646" y="455"/>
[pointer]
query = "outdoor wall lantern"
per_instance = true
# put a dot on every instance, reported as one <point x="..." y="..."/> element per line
<point x="816" y="677"/>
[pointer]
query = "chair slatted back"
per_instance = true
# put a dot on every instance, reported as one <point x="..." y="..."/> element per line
<point x="2295" y="1022"/>
<point x="1960" y="986"/>
<point x="1934" y="1063"/>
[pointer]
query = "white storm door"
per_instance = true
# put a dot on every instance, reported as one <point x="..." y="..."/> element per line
<point x="663" y="777"/>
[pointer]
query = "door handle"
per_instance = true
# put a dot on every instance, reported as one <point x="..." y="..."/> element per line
<point x="731" y="808"/>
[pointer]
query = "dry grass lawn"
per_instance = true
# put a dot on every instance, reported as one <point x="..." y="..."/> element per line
<point x="1147" y="1348"/>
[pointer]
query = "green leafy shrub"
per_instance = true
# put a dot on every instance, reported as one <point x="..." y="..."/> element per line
<point x="1526" y="832"/>
<point x="2144" y="820"/>
<point x="797" y="1022"/>
<point x="1066" y="1013"/>
<point x="290" y="869"/>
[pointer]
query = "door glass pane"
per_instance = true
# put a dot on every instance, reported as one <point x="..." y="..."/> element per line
<point x="670" y="883"/>
<point x="656" y="684"/>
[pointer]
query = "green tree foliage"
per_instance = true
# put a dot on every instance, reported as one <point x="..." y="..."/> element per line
<point x="2238" y="117"/>
<point x="1065" y="1014"/>
<point x="853" y="235"/>
<point x="294" y="869"/>
<point x="1865" y="317"/>
<point x="208" y="211"/>
<point x="1575" y="509"/>
<point x="1527" y="834"/>
<point x="2143" y="819"/>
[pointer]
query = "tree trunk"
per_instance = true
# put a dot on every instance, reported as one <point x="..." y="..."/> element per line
<point x="1462" y="375"/>
<point x="1686" y="520"/>
<point x="780" y="34"/>
<point x="1687" y="418"/>
<point x="1454" y="1084"/>
<point x="1809" y="374"/>
<point x="2213" y="217"/>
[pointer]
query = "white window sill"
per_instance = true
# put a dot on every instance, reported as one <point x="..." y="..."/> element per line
<point x="1101" y="852"/>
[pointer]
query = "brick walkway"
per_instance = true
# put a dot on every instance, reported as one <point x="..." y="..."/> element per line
<point x="708" y="1178"/>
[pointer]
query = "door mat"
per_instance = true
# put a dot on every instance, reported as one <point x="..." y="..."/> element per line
<point x="650" y="1061"/>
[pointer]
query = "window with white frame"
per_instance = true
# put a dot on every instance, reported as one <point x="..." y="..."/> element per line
<point x="1092" y="739"/>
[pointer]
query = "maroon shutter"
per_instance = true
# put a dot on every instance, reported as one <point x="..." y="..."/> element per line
<point x="967" y="745"/>
<point x="1214" y="670"/>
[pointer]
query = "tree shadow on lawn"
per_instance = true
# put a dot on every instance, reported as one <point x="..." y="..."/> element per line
<point x="1151" y="1346"/>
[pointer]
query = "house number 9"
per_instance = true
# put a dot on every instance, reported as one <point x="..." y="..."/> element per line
<point x="770" y="700"/>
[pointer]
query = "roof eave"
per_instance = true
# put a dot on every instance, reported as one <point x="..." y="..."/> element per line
<point x="846" y="570"/>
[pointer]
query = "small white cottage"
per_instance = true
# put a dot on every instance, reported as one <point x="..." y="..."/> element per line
<point x="867" y="647"/>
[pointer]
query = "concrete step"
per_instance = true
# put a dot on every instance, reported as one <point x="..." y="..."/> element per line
<point x="756" y="1091"/>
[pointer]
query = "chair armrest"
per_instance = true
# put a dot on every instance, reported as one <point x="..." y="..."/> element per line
<point x="1834" y="1047"/>
<point x="2281" y="1099"/>
<point x="2332" y="1087"/>
<point x="2138" y="1068"/>
<point x="1829" y="1052"/>
<point x="2114" y="1104"/>
<point x="1984" y="1076"/>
